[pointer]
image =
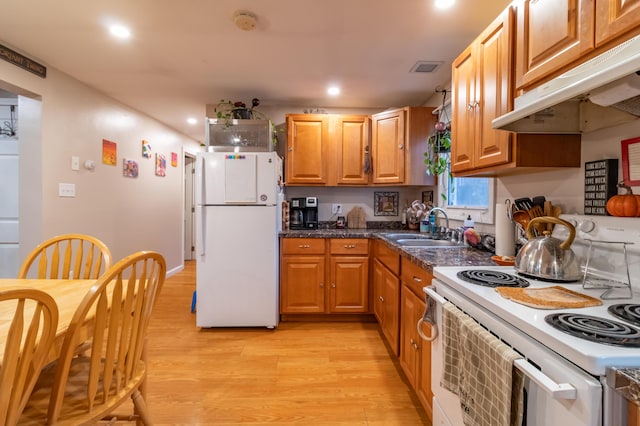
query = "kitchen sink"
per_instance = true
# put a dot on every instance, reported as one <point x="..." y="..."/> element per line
<point x="428" y="243"/>
<point x="405" y="236"/>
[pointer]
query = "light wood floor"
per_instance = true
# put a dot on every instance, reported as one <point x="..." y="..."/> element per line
<point x="300" y="373"/>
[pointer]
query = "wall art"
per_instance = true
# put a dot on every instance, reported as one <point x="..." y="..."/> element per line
<point x="631" y="161"/>
<point x="600" y="180"/>
<point x="146" y="149"/>
<point x="129" y="168"/>
<point x="174" y="159"/>
<point x="385" y="203"/>
<point x="109" y="152"/>
<point x="161" y="165"/>
<point x="427" y="198"/>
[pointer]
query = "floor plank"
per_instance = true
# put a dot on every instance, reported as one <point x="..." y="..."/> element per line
<point x="301" y="373"/>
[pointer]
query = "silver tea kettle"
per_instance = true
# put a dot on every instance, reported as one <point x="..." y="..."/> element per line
<point x="546" y="257"/>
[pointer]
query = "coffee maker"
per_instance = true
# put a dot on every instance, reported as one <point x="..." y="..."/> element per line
<point x="303" y="213"/>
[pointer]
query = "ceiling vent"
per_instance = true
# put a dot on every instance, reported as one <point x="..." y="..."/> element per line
<point x="426" y="66"/>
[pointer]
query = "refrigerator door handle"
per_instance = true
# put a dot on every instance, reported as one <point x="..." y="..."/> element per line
<point x="200" y="236"/>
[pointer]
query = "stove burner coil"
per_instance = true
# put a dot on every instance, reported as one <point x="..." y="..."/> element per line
<point x="629" y="312"/>
<point x="595" y="329"/>
<point x="489" y="278"/>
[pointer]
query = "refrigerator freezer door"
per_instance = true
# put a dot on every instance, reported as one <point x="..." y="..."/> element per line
<point x="233" y="179"/>
<point x="236" y="272"/>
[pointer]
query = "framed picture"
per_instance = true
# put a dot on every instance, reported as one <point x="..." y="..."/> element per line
<point x="631" y="161"/>
<point x="427" y="197"/>
<point x="385" y="203"/>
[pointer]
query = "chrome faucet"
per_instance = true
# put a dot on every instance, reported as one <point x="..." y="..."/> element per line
<point x="438" y="209"/>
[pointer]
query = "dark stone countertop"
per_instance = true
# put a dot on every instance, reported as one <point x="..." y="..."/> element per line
<point x="425" y="257"/>
<point x="626" y="381"/>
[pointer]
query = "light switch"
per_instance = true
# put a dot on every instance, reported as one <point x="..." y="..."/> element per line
<point x="67" y="189"/>
<point x="75" y="163"/>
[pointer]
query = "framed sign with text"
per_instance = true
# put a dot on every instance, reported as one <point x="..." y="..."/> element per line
<point x="600" y="179"/>
<point x="631" y="161"/>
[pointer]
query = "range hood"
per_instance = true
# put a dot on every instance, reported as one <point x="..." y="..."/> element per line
<point x="602" y="92"/>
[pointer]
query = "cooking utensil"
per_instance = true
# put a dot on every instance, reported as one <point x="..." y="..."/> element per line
<point x="539" y="200"/>
<point x="524" y="203"/>
<point x="548" y="211"/>
<point x="522" y="217"/>
<point x="546" y="257"/>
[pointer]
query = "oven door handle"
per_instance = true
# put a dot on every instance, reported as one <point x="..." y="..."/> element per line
<point x="556" y="390"/>
<point x="431" y="301"/>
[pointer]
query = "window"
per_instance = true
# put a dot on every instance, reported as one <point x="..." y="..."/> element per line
<point x="468" y="196"/>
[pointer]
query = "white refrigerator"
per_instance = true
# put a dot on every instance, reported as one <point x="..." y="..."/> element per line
<point x="238" y="218"/>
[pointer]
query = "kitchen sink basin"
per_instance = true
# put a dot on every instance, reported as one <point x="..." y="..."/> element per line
<point x="428" y="243"/>
<point x="405" y="236"/>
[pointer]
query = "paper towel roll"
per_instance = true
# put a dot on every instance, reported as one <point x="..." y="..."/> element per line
<point x="505" y="232"/>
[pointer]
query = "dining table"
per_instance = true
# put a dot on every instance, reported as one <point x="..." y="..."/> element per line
<point x="67" y="294"/>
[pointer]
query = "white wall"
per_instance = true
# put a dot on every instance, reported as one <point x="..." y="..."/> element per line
<point x="145" y="213"/>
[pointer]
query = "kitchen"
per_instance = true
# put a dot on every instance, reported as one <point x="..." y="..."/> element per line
<point x="46" y="214"/>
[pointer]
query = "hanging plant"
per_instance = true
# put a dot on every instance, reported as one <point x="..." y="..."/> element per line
<point x="438" y="148"/>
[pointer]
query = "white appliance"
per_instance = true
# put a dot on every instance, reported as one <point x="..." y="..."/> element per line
<point x="558" y="105"/>
<point x="238" y="218"/>
<point x="565" y="374"/>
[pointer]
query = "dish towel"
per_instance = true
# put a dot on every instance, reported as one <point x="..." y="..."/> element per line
<point x="479" y="369"/>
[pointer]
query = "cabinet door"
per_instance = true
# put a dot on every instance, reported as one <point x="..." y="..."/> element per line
<point x="349" y="289"/>
<point x="391" y="309"/>
<point x="352" y="147"/>
<point x="378" y="286"/>
<point x="302" y="285"/>
<point x="615" y="18"/>
<point x="551" y="35"/>
<point x="493" y="91"/>
<point x="410" y="342"/>
<point x="463" y="111"/>
<point x="388" y="138"/>
<point x="307" y="149"/>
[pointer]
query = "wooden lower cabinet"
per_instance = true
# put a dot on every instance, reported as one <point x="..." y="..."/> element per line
<point x="415" y="353"/>
<point x="633" y="413"/>
<point x="314" y="281"/>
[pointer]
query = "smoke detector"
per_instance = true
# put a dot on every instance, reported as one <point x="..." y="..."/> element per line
<point x="244" y="20"/>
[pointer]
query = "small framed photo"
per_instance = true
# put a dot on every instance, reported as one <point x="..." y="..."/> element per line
<point x="427" y="197"/>
<point x="631" y="161"/>
<point x="385" y="203"/>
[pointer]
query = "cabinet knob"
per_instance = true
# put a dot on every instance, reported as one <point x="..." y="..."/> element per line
<point x="321" y="285"/>
<point x="416" y="279"/>
<point x="333" y="285"/>
<point x="303" y="246"/>
<point x="400" y="146"/>
<point x="290" y="149"/>
<point x="349" y="246"/>
<point x="381" y="298"/>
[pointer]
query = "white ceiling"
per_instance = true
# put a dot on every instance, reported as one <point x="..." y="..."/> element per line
<point x="186" y="54"/>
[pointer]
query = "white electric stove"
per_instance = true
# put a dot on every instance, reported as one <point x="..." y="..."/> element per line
<point x="568" y="369"/>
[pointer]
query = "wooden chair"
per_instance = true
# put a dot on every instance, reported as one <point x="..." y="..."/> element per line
<point x="68" y="256"/>
<point x="29" y="339"/>
<point x="87" y="388"/>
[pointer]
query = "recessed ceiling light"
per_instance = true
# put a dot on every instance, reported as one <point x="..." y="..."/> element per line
<point x="444" y="4"/>
<point x="333" y="91"/>
<point x="191" y="120"/>
<point x="120" y="31"/>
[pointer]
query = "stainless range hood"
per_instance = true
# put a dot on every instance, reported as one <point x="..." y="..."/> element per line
<point x="602" y="92"/>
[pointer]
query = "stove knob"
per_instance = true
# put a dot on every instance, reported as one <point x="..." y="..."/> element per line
<point x="587" y="226"/>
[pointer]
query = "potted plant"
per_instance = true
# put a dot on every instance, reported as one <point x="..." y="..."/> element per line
<point x="227" y="111"/>
<point x="436" y="157"/>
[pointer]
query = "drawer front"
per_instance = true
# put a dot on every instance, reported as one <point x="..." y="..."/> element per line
<point x="414" y="277"/>
<point x="388" y="257"/>
<point x="349" y="246"/>
<point x="303" y="246"/>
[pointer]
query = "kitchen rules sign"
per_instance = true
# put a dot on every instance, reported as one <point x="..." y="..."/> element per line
<point x="600" y="179"/>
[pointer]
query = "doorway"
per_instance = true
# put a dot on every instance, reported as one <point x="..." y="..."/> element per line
<point x="9" y="185"/>
<point x="189" y="206"/>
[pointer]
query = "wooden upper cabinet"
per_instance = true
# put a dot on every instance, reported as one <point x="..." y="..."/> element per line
<point x="398" y="142"/>
<point x="307" y="148"/>
<point x="352" y="149"/>
<point x="481" y="80"/>
<point x="388" y="147"/>
<point x="615" y="18"/>
<point x="551" y="35"/>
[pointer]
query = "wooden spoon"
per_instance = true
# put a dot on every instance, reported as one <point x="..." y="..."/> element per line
<point x="522" y="217"/>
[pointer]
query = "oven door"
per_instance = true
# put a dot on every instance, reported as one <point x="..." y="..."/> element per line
<point x="556" y="392"/>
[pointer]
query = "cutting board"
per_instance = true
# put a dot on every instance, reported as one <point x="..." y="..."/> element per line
<point x="555" y="297"/>
<point x="356" y="218"/>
